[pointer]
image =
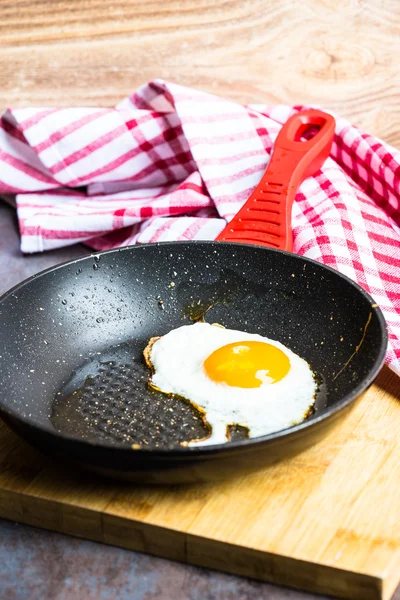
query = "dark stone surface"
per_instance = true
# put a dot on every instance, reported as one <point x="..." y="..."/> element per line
<point x="44" y="565"/>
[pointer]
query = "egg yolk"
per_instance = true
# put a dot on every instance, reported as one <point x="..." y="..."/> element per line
<point x="238" y="364"/>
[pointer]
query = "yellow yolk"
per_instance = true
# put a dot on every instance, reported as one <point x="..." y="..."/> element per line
<point x="237" y="364"/>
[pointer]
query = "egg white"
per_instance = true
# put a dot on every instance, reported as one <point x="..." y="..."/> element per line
<point x="177" y="359"/>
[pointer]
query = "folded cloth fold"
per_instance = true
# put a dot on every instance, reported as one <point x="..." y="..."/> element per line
<point x="173" y="163"/>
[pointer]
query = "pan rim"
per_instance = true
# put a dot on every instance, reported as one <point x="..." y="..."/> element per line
<point x="198" y="451"/>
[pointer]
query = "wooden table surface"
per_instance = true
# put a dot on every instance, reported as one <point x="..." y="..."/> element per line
<point x="341" y="54"/>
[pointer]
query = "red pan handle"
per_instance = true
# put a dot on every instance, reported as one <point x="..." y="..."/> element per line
<point x="265" y="219"/>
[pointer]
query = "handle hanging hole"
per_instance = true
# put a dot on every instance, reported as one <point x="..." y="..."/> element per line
<point x="306" y="132"/>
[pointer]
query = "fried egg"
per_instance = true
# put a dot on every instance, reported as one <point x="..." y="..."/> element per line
<point x="234" y="378"/>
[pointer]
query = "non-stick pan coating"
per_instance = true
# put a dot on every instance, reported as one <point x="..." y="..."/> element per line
<point x="83" y="326"/>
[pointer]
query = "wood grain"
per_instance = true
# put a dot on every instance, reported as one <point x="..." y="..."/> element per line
<point x="341" y="54"/>
<point x="326" y="521"/>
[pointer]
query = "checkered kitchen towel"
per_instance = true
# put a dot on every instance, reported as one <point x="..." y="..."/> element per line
<point x="172" y="163"/>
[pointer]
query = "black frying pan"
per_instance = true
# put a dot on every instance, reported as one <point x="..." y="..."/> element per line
<point x="73" y="380"/>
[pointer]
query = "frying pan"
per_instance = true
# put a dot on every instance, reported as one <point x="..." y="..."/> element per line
<point x="73" y="380"/>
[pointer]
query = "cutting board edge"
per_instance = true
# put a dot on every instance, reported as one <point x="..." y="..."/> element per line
<point x="197" y="550"/>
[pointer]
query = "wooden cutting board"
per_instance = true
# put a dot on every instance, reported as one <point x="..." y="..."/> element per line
<point x="327" y="521"/>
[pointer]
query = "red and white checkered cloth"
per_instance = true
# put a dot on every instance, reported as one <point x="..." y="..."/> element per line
<point x="173" y="163"/>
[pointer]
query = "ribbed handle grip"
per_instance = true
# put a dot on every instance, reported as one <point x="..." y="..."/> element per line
<point x="265" y="219"/>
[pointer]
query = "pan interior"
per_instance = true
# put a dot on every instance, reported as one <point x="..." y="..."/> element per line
<point x="108" y="400"/>
<point x="74" y="336"/>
